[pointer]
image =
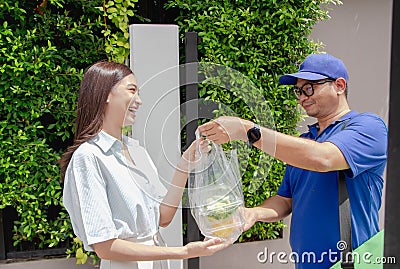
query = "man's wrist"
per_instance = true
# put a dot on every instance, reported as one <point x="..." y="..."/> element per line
<point x="253" y="134"/>
<point x="246" y="126"/>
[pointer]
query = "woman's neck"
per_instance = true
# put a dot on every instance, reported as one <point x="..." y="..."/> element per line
<point x="113" y="131"/>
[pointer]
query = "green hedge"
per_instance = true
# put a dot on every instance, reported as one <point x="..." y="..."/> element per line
<point x="262" y="40"/>
<point x="43" y="53"/>
<point x="45" y="46"/>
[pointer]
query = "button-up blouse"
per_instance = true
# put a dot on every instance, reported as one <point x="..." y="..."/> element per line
<point x="109" y="197"/>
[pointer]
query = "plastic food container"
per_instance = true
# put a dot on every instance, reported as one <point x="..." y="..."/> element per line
<point x="219" y="215"/>
<point x="221" y="218"/>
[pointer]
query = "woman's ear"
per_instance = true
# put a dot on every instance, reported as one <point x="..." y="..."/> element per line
<point x="340" y="85"/>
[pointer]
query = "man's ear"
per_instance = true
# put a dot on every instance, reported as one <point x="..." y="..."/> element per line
<point x="340" y="85"/>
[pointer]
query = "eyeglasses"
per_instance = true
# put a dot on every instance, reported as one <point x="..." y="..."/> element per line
<point x="308" y="88"/>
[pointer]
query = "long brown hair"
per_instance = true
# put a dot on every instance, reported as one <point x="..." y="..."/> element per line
<point x="95" y="87"/>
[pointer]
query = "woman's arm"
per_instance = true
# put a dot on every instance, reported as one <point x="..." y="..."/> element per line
<point x="122" y="250"/>
<point x="173" y="197"/>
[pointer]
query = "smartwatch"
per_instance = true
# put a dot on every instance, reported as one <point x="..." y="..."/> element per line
<point x="253" y="134"/>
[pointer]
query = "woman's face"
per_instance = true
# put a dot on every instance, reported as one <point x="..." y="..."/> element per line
<point x="122" y="103"/>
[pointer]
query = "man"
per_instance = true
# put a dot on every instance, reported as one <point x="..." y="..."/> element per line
<point x="342" y="139"/>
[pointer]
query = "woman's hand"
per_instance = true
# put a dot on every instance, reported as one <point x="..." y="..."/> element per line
<point x="188" y="160"/>
<point x="205" y="248"/>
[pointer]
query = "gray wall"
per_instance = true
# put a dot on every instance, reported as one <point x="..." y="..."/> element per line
<point x="360" y="34"/>
<point x="57" y="263"/>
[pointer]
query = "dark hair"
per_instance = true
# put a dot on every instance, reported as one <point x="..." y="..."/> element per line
<point x="95" y="87"/>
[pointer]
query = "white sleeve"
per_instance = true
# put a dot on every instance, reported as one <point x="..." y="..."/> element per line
<point x="85" y="198"/>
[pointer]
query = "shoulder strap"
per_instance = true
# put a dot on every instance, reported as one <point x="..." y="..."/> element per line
<point x="345" y="223"/>
<point x="347" y="261"/>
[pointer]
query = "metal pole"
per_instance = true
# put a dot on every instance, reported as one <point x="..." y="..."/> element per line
<point x="2" y="244"/>
<point x="191" y="73"/>
<point x="392" y="208"/>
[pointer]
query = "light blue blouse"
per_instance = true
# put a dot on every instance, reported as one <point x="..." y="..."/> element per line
<point x="106" y="196"/>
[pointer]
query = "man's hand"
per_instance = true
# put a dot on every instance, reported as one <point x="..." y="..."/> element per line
<point x="225" y="129"/>
<point x="273" y="209"/>
<point x="250" y="217"/>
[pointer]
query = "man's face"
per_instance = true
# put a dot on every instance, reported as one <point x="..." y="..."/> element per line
<point x="322" y="99"/>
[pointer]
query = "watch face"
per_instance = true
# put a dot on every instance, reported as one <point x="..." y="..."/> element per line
<point x="253" y="135"/>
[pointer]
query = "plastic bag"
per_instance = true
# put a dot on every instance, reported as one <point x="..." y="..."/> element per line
<point x="215" y="194"/>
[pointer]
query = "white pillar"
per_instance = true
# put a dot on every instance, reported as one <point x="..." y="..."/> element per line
<point x="155" y="59"/>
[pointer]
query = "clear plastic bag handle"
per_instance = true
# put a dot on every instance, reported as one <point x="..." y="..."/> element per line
<point x="217" y="148"/>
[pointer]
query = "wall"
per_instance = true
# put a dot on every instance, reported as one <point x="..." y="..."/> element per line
<point x="59" y="263"/>
<point x="360" y="34"/>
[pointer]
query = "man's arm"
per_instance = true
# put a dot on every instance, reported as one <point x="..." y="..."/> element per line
<point x="296" y="151"/>
<point x="273" y="209"/>
<point x="302" y="153"/>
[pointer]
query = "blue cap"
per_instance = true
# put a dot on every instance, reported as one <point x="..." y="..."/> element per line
<point x="315" y="67"/>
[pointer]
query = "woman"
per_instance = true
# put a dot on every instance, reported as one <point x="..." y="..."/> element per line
<point x="111" y="187"/>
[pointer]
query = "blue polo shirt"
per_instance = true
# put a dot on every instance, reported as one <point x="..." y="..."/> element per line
<point x="314" y="231"/>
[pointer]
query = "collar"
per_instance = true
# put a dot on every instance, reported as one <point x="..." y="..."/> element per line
<point x="105" y="141"/>
<point x="346" y="116"/>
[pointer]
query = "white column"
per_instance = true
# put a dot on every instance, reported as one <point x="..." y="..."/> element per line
<point x="155" y="59"/>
